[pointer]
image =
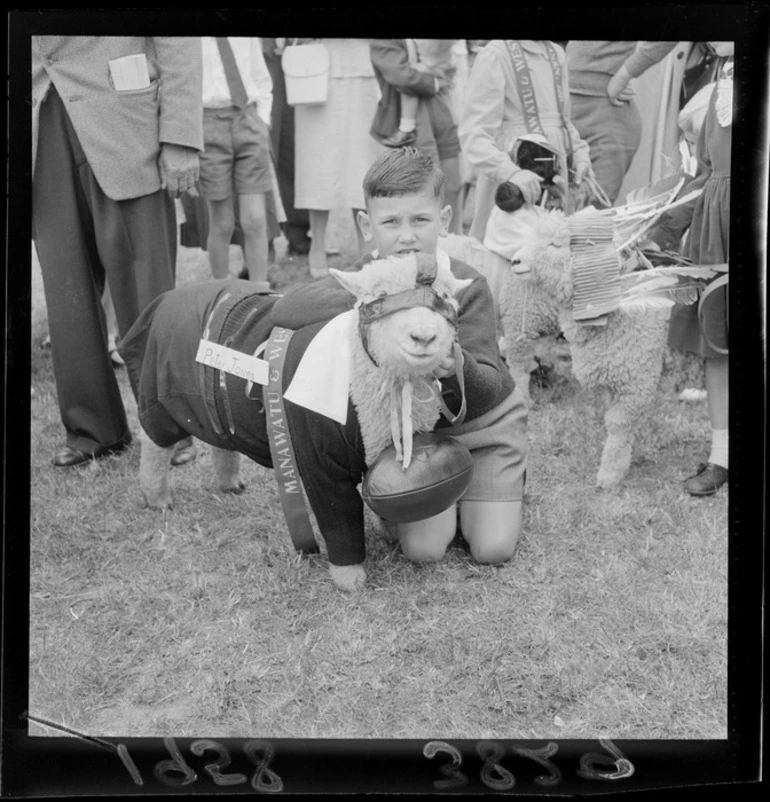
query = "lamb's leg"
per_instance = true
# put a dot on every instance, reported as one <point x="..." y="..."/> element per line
<point x="227" y="467"/>
<point x="348" y="577"/>
<point x="520" y="356"/>
<point x="621" y="421"/>
<point x="153" y="473"/>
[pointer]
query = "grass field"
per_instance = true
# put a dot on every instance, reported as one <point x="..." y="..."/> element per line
<point x="610" y="621"/>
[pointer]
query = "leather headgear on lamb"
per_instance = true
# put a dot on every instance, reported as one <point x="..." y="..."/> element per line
<point x="406" y="326"/>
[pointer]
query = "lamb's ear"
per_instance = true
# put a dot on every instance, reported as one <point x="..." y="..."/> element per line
<point x="351" y="281"/>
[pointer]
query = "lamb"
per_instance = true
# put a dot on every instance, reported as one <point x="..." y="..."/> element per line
<point x="625" y="355"/>
<point x="401" y="329"/>
<point x="528" y="319"/>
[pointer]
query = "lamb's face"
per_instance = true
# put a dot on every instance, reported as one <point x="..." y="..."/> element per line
<point x="544" y="258"/>
<point x="410" y="341"/>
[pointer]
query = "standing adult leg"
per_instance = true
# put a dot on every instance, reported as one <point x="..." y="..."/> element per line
<point x="73" y="278"/>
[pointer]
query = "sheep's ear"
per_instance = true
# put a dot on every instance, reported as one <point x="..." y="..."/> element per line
<point x="351" y="281"/>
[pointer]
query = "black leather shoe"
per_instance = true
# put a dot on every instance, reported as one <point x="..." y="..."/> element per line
<point x="400" y="139"/>
<point x="69" y="457"/>
<point x="706" y="480"/>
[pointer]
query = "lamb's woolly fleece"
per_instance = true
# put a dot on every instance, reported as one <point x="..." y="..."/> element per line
<point x="525" y="312"/>
<point x="390" y="342"/>
<point x="624" y="357"/>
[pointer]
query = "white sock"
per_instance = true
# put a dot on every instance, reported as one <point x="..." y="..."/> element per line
<point x="406" y="125"/>
<point x="719" y="447"/>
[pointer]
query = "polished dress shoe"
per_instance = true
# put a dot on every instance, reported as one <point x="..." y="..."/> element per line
<point x="400" y="139"/>
<point x="706" y="480"/>
<point x="69" y="457"/>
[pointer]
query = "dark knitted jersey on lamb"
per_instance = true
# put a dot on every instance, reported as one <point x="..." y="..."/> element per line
<point x="160" y="351"/>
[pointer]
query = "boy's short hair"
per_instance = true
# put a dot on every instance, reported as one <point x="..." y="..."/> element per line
<point x="402" y="172"/>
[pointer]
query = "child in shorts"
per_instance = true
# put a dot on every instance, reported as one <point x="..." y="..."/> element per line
<point x="405" y="213"/>
<point x="237" y="101"/>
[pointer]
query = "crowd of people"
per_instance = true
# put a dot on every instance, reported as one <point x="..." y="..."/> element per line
<point x="125" y="127"/>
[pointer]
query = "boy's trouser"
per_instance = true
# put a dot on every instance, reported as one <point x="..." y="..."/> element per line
<point x="82" y="236"/>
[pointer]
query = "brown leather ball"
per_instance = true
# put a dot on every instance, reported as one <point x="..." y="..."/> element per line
<point x="438" y="475"/>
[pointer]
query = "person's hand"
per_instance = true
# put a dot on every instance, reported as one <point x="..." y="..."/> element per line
<point x="179" y="169"/>
<point x="618" y="90"/>
<point x="445" y="368"/>
<point x="529" y="184"/>
<point x="582" y="170"/>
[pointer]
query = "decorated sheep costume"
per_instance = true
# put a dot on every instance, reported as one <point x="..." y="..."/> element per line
<point x="178" y="395"/>
<point x="622" y="350"/>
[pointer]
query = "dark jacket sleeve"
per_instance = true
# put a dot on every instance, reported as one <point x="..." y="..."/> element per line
<point x="391" y="59"/>
<point x="330" y="459"/>
<point x="331" y="464"/>
<point x="487" y="380"/>
<point x="306" y="304"/>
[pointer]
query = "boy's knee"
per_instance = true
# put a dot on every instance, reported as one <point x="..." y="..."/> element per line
<point x="494" y="550"/>
<point x="253" y="223"/>
<point x="419" y="550"/>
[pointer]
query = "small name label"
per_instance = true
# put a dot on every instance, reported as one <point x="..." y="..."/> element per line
<point x="244" y="366"/>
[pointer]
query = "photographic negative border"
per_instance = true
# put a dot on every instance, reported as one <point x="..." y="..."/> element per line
<point x="67" y="766"/>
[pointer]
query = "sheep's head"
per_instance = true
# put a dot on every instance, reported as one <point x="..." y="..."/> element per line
<point x="407" y="311"/>
<point x="544" y="258"/>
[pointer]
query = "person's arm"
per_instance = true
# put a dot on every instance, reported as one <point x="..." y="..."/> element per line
<point x="305" y="304"/>
<point x="644" y="56"/>
<point x="262" y="80"/>
<point x="484" y="374"/>
<point x="392" y="61"/>
<point x="330" y="460"/>
<point x="180" y="124"/>
<point x="482" y="118"/>
<point x="581" y="158"/>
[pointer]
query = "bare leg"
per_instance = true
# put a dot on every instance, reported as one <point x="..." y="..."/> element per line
<point x="428" y="540"/>
<point x="254" y="224"/>
<point x="492" y="529"/>
<point x="317" y="254"/>
<point x="221" y="225"/>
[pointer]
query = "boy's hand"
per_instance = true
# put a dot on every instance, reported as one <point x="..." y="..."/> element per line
<point x="445" y="368"/>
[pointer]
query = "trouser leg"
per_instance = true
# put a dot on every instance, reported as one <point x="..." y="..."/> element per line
<point x="80" y="235"/>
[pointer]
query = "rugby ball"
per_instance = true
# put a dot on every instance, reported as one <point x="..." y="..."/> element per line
<point x="438" y="475"/>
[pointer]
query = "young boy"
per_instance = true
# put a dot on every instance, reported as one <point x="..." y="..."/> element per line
<point x="405" y="213"/>
<point x="237" y="100"/>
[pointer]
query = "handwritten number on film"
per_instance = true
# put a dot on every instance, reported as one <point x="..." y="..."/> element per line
<point x="177" y="773"/>
<point x="214" y="770"/>
<point x="456" y="778"/>
<point x="496" y="777"/>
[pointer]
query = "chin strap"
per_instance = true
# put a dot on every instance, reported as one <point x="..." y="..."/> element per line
<point x="401" y="397"/>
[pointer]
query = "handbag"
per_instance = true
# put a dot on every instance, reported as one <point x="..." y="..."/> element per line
<point x="306" y="73"/>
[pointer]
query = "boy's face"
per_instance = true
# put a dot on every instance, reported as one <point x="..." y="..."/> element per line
<point x="405" y="223"/>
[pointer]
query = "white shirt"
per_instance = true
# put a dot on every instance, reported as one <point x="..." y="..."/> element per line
<point x="251" y="65"/>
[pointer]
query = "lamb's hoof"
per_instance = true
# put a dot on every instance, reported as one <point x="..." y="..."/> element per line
<point x="348" y="577"/>
<point x="607" y="482"/>
<point x="158" y="501"/>
<point x="236" y="489"/>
